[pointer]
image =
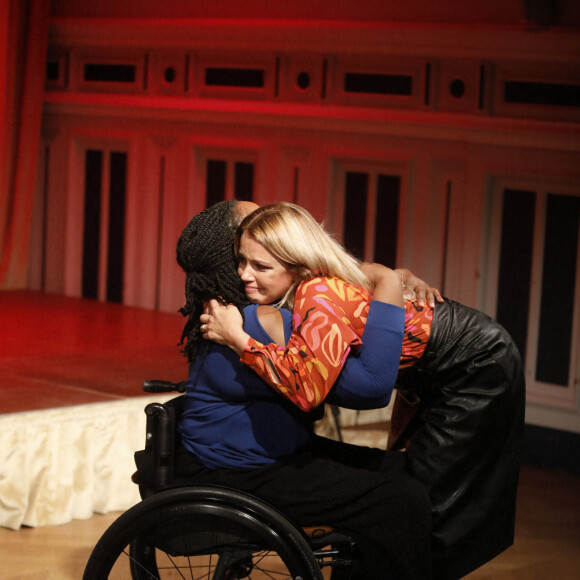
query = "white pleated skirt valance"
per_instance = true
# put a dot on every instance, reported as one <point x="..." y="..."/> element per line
<point x="62" y="464"/>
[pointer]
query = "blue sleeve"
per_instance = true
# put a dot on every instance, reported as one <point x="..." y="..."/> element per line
<point x="369" y="374"/>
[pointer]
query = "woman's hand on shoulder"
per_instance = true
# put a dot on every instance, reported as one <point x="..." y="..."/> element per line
<point x="224" y="324"/>
<point x="414" y="287"/>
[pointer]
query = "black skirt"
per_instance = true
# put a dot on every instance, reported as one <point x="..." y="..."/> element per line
<point x="464" y="442"/>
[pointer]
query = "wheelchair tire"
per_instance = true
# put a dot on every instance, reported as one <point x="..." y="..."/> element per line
<point x="202" y="532"/>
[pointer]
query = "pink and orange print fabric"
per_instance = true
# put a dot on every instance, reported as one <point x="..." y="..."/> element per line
<point x="328" y="320"/>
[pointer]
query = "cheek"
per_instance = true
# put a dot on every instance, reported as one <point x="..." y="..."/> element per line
<point x="286" y="282"/>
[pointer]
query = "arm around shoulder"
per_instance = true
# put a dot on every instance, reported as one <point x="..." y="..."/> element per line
<point x="369" y="375"/>
<point x="387" y="283"/>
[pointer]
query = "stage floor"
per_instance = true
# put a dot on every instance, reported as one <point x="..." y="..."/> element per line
<point x="58" y="351"/>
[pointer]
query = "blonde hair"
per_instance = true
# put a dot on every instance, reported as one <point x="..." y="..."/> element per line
<point x="301" y="244"/>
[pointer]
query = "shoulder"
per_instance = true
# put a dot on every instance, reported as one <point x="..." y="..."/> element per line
<point x="250" y="313"/>
<point x="330" y="288"/>
<point x="272" y="322"/>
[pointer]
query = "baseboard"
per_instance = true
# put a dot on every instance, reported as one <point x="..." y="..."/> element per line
<point x="552" y="449"/>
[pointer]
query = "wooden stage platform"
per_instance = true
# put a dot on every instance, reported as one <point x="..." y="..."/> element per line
<point x="58" y="351"/>
<point x="71" y="404"/>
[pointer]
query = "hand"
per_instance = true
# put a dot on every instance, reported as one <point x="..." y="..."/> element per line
<point x="415" y="287"/>
<point x="223" y="324"/>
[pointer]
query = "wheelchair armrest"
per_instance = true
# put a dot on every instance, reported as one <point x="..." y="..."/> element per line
<point x="155" y="462"/>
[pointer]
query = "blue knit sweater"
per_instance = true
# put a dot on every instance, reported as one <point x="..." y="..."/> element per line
<point x="233" y="419"/>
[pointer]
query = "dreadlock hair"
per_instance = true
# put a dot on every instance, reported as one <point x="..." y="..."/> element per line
<point x="205" y="252"/>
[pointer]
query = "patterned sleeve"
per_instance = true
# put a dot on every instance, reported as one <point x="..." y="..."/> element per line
<point x="328" y="318"/>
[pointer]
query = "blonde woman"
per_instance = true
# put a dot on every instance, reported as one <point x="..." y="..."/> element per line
<point x="286" y="258"/>
<point x="460" y="367"/>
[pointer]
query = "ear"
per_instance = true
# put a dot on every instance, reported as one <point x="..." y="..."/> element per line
<point x="297" y="273"/>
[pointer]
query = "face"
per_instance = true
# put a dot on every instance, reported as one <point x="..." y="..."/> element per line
<point x="265" y="279"/>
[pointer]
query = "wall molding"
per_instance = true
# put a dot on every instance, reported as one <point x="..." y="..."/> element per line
<point x="469" y="129"/>
<point x="526" y="42"/>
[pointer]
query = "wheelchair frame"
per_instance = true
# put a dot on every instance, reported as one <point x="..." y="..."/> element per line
<point x="218" y="532"/>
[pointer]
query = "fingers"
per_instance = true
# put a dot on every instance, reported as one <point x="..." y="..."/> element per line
<point x="414" y="287"/>
<point x="429" y="297"/>
<point x="209" y="306"/>
<point x="421" y="295"/>
<point x="437" y="295"/>
<point x="205" y="320"/>
<point x="210" y="320"/>
<point x="204" y="327"/>
<point x="425" y="294"/>
<point x="432" y="295"/>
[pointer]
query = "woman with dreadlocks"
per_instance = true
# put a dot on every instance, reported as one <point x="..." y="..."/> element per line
<point x="205" y="252"/>
<point x="238" y="432"/>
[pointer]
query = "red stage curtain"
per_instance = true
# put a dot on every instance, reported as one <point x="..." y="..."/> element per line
<point x="23" y="45"/>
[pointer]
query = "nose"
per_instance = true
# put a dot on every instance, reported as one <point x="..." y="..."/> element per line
<point x="245" y="272"/>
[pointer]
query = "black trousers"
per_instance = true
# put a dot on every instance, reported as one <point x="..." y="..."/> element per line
<point x="466" y="437"/>
<point x="363" y="492"/>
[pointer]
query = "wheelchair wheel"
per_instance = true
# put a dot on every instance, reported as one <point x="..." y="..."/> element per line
<point x="202" y="532"/>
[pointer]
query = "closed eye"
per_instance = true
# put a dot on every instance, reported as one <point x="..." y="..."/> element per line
<point x="261" y="267"/>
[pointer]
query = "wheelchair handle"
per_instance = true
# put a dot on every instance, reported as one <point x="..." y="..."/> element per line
<point x="157" y="386"/>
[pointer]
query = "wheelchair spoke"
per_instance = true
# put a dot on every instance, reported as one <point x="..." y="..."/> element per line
<point x="195" y="534"/>
<point x="261" y="565"/>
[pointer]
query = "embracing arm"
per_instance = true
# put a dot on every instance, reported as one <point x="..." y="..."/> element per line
<point x="329" y="317"/>
<point x="306" y="371"/>
<point x="370" y="373"/>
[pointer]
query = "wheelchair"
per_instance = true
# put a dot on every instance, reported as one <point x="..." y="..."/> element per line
<point x="209" y="532"/>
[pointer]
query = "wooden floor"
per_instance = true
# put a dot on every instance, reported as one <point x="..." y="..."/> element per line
<point x="58" y="351"/>
<point x="546" y="547"/>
